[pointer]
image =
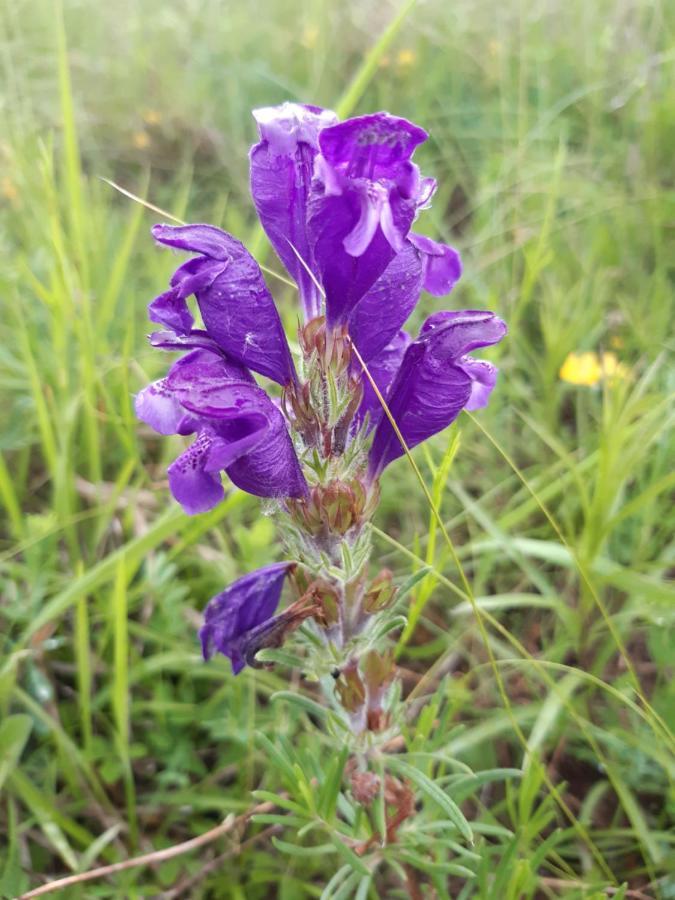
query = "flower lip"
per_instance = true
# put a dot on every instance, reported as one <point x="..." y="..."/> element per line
<point x="455" y="333"/>
<point x="373" y="146"/>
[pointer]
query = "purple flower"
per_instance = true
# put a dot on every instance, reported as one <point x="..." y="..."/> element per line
<point x="236" y="306"/>
<point x="238" y="430"/>
<point x="383" y="369"/>
<point x="282" y="165"/>
<point x="386" y="306"/>
<point x="363" y="201"/>
<point x="441" y="265"/>
<point x="435" y="381"/>
<point x="239" y="621"/>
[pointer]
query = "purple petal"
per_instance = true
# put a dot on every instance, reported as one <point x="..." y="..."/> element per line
<point x="455" y="333"/>
<point x="236" y="306"/>
<point x="271" y="469"/>
<point x="171" y="308"/>
<point x="255" y="448"/>
<point x="384" y="309"/>
<point x="157" y="407"/>
<point x="483" y="377"/>
<point x="203" y="239"/>
<point x="432" y="386"/>
<point x="240" y="430"/>
<point x="194" y="476"/>
<point x="243" y="606"/>
<point x="198" y="377"/>
<point x="442" y="265"/>
<point x="194" y="340"/>
<point x="372" y="146"/>
<point x="344" y="276"/>
<point x="382" y="368"/>
<point x="363" y="202"/>
<point x="282" y="164"/>
<point x="196" y="489"/>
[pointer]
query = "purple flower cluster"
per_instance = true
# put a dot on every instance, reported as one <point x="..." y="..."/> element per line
<point x="337" y="201"/>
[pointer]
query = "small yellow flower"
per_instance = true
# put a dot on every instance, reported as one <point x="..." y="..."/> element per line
<point x="9" y="190"/>
<point x="405" y="59"/>
<point x="140" y="140"/>
<point x="616" y="341"/>
<point x="152" y="117"/>
<point x="310" y="35"/>
<point x="612" y="369"/>
<point x="589" y="369"/>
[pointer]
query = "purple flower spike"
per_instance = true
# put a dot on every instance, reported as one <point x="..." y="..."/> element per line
<point x="435" y="381"/>
<point x="442" y="264"/>
<point x="363" y="202"/>
<point x="237" y="308"/>
<point x="282" y="164"/>
<point x="233" y="616"/>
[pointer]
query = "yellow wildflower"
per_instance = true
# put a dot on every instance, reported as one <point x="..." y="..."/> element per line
<point x="589" y="369"/>
<point x="310" y="35"/>
<point x="613" y="369"/>
<point x="140" y="140"/>
<point x="9" y="190"/>
<point x="405" y="58"/>
<point x="152" y="117"/>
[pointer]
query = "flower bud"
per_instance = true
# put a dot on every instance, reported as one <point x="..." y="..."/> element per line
<point x="380" y="593"/>
<point x="330" y="347"/>
<point x="333" y="508"/>
<point x="365" y="787"/>
<point x="378" y="673"/>
<point x="350" y="688"/>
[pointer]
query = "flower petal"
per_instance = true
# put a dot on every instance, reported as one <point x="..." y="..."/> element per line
<point x="254" y="445"/>
<point x="157" y="407"/>
<point x="194" y="340"/>
<point x="282" y="164"/>
<point x="373" y="146"/>
<point x="240" y="608"/>
<point x="483" y="377"/>
<point x="236" y="305"/>
<point x="347" y="277"/>
<point x="363" y="201"/>
<point x="196" y="489"/>
<point x="271" y="468"/>
<point x="384" y="309"/>
<point x="442" y="264"/>
<point x="432" y="386"/>
<point x="383" y="369"/>
<point x="240" y="430"/>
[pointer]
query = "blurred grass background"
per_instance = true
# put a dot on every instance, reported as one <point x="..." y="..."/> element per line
<point x="552" y="131"/>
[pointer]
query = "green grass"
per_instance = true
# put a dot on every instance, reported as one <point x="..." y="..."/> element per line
<point x="548" y="666"/>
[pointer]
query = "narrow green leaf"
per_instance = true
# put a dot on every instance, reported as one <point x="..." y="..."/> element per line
<point x="434" y="793"/>
<point x="14" y="732"/>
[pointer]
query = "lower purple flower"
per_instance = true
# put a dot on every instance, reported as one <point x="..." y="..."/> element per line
<point x="239" y="430"/>
<point x="240" y="621"/>
<point x="435" y="381"/>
